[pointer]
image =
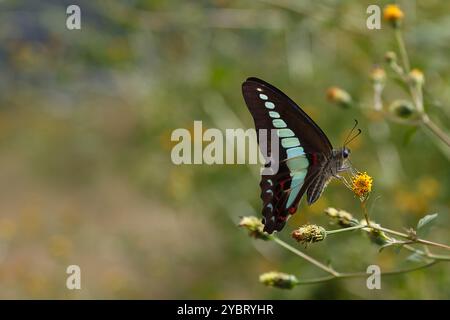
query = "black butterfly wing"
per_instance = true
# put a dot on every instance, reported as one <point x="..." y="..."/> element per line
<point x="303" y="145"/>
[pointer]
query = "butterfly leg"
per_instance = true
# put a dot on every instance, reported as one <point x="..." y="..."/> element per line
<point x="344" y="181"/>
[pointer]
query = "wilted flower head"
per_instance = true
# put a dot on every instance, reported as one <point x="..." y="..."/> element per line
<point x="362" y="185"/>
<point x="416" y="77"/>
<point x="378" y="75"/>
<point x="309" y="233"/>
<point x="344" y="219"/>
<point x="339" y="96"/>
<point x="254" y="226"/>
<point x="376" y="236"/>
<point x="393" y="14"/>
<point x="278" y="280"/>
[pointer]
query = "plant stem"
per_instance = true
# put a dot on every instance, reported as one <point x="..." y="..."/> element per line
<point x="404" y="235"/>
<point x="338" y="275"/>
<point x="366" y="215"/>
<point x="345" y="229"/>
<point x="402" y="49"/>
<point x="427" y="253"/>
<point x="305" y="256"/>
<point x="435" y="129"/>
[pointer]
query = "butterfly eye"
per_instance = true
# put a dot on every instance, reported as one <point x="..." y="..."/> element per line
<point x="345" y="153"/>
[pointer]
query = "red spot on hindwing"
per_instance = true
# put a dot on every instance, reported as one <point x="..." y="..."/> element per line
<point x="314" y="158"/>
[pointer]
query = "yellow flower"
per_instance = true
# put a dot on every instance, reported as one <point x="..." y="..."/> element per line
<point x="362" y="185"/>
<point x="393" y="14"/>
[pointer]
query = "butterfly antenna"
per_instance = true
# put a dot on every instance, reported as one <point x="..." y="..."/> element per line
<point x="354" y="137"/>
<point x="350" y="133"/>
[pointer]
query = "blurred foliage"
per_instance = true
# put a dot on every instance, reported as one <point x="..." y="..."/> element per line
<point x="85" y="123"/>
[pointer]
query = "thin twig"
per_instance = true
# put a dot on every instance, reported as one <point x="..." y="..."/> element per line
<point x="402" y="49"/>
<point x="406" y="236"/>
<point x="338" y="275"/>
<point x="435" y="129"/>
<point x="304" y="256"/>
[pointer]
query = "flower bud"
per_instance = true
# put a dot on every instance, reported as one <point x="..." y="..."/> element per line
<point x="402" y="109"/>
<point x="254" y="226"/>
<point x="378" y="75"/>
<point x="339" y="96"/>
<point x="278" y="280"/>
<point x="390" y="57"/>
<point x="344" y="219"/>
<point x="416" y="77"/>
<point x="393" y="14"/>
<point x="309" y="233"/>
<point x="376" y="236"/>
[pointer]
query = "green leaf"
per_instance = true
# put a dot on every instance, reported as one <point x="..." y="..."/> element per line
<point x="396" y="245"/>
<point x="424" y="224"/>
<point x="415" y="257"/>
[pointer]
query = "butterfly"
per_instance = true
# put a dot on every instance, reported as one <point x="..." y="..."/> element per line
<point x="307" y="160"/>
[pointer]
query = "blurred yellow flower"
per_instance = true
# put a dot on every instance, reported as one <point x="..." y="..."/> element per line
<point x="362" y="184"/>
<point x="378" y="75"/>
<point x="393" y="13"/>
<point x="428" y="187"/>
<point x="60" y="246"/>
<point x="416" y="77"/>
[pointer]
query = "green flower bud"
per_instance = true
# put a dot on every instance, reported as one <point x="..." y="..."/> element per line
<point x="376" y="236"/>
<point x="343" y="218"/>
<point x="390" y="57"/>
<point x="278" y="280"/>
<point x="416" y="77"/>
<point x="378" y="75"/>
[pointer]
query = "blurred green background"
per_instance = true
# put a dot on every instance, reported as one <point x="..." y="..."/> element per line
<point x="86" y="117"/>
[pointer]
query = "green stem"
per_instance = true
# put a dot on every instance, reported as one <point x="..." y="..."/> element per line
<point x="438" y="132"/>
<point x="364" y="274"/>
<point x="366" y="215"/>
<point x="345" y="229"/>
<point x="427" y="253"/>
<point x="304" y="256"/>
<point x="418" y="240"/>
<point x="402" y="49"/>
